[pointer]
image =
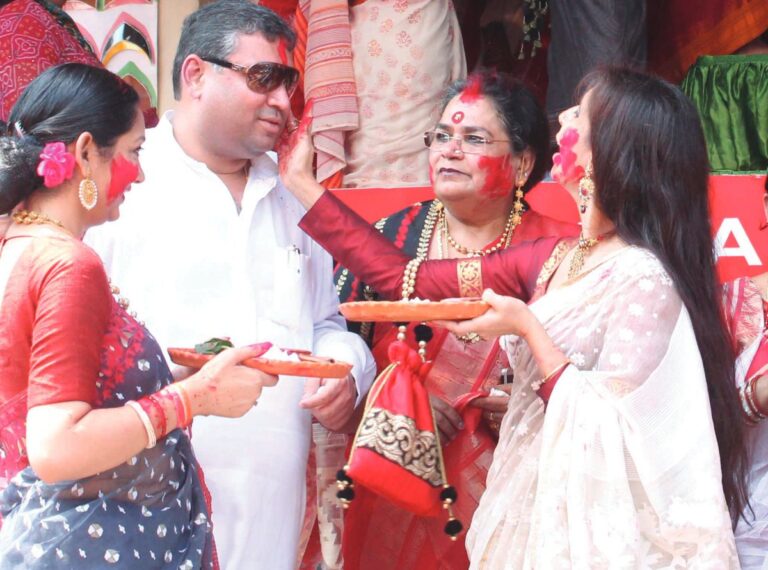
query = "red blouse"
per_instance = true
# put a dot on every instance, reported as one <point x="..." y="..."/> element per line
<point x="53" y="317"/>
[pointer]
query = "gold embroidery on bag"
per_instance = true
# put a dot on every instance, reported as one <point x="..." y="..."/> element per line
<point x="397" y="439"/>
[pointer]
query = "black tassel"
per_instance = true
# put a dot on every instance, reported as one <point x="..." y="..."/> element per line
<point x="448" y="495"/>
<point x="453" y="528"/>
<point x="346" y="496"/>
<point x="346" y="492"/>
<point x="423" y="333"/>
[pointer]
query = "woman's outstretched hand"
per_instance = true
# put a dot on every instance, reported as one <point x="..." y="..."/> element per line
<point x="295" y="158"/>
<point x="507" y="315"/>
<point x="224" y="388"/>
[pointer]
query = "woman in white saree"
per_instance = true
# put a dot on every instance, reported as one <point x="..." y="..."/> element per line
<point x="608" y="454"/>
<point x="623" y="413"/>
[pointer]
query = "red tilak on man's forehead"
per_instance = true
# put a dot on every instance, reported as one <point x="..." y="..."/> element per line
<point x="282" y="51"/>
<point x="457" y="117"/>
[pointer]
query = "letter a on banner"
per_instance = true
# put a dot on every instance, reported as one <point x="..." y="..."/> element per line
<point x="744" y="248"/>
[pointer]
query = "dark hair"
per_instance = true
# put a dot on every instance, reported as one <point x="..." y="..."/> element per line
<point x="651" y="176"/>
<point x="58" y="106"/>
<point x="518" y="110"/>
<point x="213" y="30"/>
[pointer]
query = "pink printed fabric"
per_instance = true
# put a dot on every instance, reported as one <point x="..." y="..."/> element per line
<point x="406" y="53"/>
<point x="329" y="81"/>
<point x="31" y="41"/>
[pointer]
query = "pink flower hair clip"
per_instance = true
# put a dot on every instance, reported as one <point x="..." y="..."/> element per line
<point x="56" y="164"/>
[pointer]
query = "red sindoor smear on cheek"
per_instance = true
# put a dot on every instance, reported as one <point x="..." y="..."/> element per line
<point x="282" y="51"/>
<point x="124" y="172"/>
<point x="499" y="175"/>
<point x="566" y="158"/>
<point x="473" y="90"/>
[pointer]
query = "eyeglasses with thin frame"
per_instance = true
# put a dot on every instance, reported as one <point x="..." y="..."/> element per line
<point x="262" y="77"/>
<point x="439" y="140"/>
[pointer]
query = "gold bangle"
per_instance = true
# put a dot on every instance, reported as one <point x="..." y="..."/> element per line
<point x="752" y="398"/>
<point x="560" y="368"/>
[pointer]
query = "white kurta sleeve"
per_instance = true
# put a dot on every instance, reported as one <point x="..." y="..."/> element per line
<point x="331" y="337"/>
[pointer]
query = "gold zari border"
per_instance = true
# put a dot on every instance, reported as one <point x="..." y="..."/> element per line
<point x="470" y="275"/>
<point x="397" y="439"/>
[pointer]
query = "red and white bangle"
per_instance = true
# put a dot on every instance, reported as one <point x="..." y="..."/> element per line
<point x="181" y="405"/>
<point x="545" y="386"/>
<point x="145" y="421"/>
<point x="749" y="403"/>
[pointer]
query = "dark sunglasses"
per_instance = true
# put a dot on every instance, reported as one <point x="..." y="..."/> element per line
<point x="263" y="77"/>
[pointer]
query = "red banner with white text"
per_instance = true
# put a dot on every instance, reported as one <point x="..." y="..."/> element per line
<point x="738" y="215"/>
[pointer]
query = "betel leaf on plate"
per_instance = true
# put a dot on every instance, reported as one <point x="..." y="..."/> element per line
<point x="213" y="346"/>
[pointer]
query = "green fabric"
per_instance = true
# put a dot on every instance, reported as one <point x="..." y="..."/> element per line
<point x="731" y="93"/>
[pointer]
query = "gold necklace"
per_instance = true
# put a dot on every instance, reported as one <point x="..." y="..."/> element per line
<point x="244" y="170"/>
<point x="582" y="249"/>
<point x="502" y="241"/>
<point x="513" y="220"/>
<point x="29" y="217"/>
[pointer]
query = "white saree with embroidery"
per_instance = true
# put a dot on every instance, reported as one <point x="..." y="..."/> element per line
<point x="621" y="469"/>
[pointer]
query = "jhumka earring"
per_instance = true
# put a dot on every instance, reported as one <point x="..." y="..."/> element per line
<point x="88" y="192"/>
<point x="586" y="188"/>
<point x="517" y="207"/>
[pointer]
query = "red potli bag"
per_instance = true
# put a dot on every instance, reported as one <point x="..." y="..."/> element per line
<point x="396" y="451"/>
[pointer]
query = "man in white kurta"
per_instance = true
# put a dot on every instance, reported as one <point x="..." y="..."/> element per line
<point x="201" y="254"/>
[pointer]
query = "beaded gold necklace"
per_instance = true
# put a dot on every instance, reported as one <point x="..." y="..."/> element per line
<point x="29" y="217"/>
<point x="502" y="242"/>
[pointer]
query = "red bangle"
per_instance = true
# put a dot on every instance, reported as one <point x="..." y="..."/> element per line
<point x="162" y="415"/>
<point x="181" y="410"/>
<point x="545" y="391"/>
<point x="156" y="414"/>
<point x="181" y="405"/>
<point x="187" y="404"/>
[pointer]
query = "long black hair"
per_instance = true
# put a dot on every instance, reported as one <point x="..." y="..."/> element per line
<point x="518" y="110"/>
<point x="651" y="177"/>
<point x="58" y="106"/>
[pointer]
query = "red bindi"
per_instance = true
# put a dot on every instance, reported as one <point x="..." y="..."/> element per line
<point x="124" y="172"/>
<point x="499" y="175"/>
<point x="457" y="117"/>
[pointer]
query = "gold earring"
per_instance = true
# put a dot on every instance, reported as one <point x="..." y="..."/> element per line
<point x="88" y="192"/>
<point x="517" y="207"/>
<point x="586" y="189"/>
